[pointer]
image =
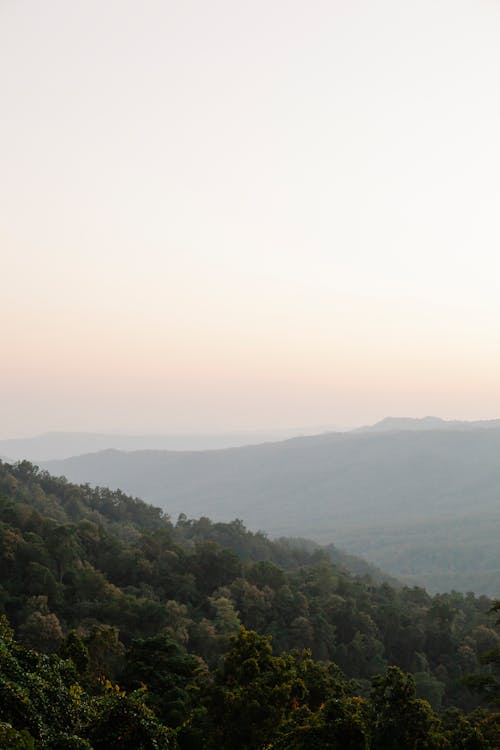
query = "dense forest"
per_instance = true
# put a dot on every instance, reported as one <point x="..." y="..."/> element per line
<point x="122" y="629"/>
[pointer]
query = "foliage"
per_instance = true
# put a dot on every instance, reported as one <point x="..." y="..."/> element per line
<point x="132" y="632"/>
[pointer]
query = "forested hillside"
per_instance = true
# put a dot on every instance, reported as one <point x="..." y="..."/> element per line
<point x="423" y="504"/>
<point x="133" y="632"/>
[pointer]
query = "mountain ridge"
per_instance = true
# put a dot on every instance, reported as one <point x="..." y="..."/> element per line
<point x="421" y="504"/>
<point x="57" y="445"/>
<point x="401" y="424"/>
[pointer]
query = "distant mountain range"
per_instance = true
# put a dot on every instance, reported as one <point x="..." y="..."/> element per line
<point x="419" y="498"/>
<point x="57" y="445"/>
<point x="398" y="424"/>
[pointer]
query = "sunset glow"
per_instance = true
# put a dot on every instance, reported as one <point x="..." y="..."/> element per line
<point x="234" y="216"/>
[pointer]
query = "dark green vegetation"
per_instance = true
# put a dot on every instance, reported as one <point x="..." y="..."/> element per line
<point x="133" y="633"/>
<point x="423" y="504"/>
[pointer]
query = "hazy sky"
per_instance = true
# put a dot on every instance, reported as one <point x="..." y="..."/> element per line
<point x="235" y="215"/>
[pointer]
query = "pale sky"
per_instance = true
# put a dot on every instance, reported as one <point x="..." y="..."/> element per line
<point x="242" y="215"/>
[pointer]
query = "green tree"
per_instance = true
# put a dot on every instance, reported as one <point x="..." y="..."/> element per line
<point x="166" y="670"/>
<point x="12" y="739"/>
<point x="75" y="649"/>
<point x="126" y="723"/>
<point x="399" y="718"/>
<point x="105" y="650"/>
<point x="340" y="724"/>
<point x="252" y="694"/>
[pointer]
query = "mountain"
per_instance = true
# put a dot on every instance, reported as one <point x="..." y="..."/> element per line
<point x="421" y="504"/>
<point x="60" y="445"/>
<point x="128" y="631"/>
<point x="399" y="424"/>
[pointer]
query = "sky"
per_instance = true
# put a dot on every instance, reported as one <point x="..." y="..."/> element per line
<point x="236" y="216"/>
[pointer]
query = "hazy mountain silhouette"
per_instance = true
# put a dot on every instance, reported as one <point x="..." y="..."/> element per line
<point x="58" y="445"/>
<point x="424" y="504"/>
<point x="397" y="424"/>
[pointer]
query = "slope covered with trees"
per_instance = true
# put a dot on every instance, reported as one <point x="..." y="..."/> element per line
<point x="134" y="632"/>
<point x="422" y="504"/>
